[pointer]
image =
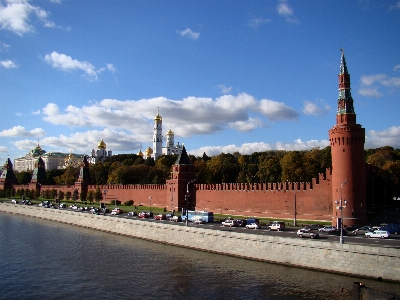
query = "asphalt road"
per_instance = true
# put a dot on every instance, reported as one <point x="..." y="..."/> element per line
<point x="290" y="232"/>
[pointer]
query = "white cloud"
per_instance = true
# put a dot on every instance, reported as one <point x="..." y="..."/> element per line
<point x="249" y="148"/>
<point x="370" y="84"/>
<point x="3" y="149"/>
<point x="68" y="64"/>
<point x="224" y="89"/>
<point x="111" y="68"/>
<point x="21" y="131"/>
<point x="387" y="137"/>
<point x="285" y="10"/>
<point x="277" y="111"/>
<point x="255" y="22"/>
<point x="83" y="142"/>
<point x="202" y="115"/>
<point x="246" y="126"/>
<point x="8" y="64"/>
<point x="396" y="67"/>
<point x="15" y="16"/>
<point x="189" y="33"/>
<point x="311" y="108"/>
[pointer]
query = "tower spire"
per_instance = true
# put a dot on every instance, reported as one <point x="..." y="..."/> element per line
<point x="345" y="111"/>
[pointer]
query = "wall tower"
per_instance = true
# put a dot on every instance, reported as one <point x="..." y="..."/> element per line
<point x="347" y="140"/>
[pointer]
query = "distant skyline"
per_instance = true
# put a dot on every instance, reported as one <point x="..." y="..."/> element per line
<point x="226" y="76"/>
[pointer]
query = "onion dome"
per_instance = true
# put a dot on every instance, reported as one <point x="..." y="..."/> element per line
<point x="158" y="118"/>
<point x="140" y="153"/>
<point x="170" y="132"/>
<point x="101" y="145"/>
<point x="149" y="151"/>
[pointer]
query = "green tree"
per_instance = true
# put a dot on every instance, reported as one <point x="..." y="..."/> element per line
<point x="24" y="177"/>
<point x="98" y="196"/>
<point x="293" y="166"/>
<point x="223" y="168"/>
<point x="90" y="196"/>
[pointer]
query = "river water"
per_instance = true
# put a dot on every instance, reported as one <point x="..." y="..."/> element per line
<point x="47" y="260"/>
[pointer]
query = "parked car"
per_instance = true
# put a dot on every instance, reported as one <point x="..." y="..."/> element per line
<point x="253" y="226"/>
<point x="378" y="233"/>
<point x="327" y="229"/>
<point x="240" y="222"/>
<point x="362" y="230"/>
<point x="229" y="223"/>
<point x="144" y="215"/>
<point x="132" y="214"/>
<point x="116" y="211"/>
<point x="176" y="219"/>
<point x="13" y="201"/>
<point x="307" y="233"/>
<point x="314" y="227"/>
<point x="198" y="221"/>
<point x="277" y="225"/>
<point x="160" y="217"/>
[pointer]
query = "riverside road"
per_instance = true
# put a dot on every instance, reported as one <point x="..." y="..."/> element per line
<point x="290" y="232"/>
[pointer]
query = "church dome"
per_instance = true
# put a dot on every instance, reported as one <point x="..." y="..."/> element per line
<point x="140" y="153"/>
<point x="158" y="117"/>
<point x="170" y="132"/>
<point x="149" y="151"/>
<point x="101" y="145"/>
<point x="37" y="151"/>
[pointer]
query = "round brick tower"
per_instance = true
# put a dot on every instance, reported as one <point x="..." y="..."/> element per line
<point x="347" y="140"/>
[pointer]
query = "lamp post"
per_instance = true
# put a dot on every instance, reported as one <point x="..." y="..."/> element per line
<point x="340" y="202"/>
<point x="150" y="203"/>
<point x="295" y="211"/>
<point x="187" y="201"/>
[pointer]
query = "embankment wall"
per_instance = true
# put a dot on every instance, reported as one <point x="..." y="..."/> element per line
<point x="359" y="260"/>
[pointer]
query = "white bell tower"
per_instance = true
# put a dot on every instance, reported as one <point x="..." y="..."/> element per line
<point x="157" y="136"/>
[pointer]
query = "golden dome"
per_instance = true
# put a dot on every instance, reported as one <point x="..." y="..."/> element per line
<point x="170" y="132"/>
<point x="149" y="151"/>
<point x="140" y="153"/>
<point x="158" y="117"/>
<point x="101" y="145"/>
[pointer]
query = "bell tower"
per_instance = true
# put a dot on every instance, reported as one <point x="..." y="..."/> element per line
<point x="347" y="140"/>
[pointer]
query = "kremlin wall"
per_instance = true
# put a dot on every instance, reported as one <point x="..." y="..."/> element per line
<point x="315" y="200"/>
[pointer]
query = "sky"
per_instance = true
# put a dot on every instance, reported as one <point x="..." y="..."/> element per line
<point x="226" y="76"/>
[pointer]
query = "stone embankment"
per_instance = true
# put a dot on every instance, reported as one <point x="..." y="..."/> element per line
<point x="358" y="260"/>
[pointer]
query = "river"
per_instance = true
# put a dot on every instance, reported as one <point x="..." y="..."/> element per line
<point x="48" y="260"/>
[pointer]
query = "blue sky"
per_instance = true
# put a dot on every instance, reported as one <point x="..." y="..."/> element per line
<point x="226" y="76"/>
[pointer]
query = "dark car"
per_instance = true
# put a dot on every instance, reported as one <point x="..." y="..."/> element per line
<point x="314" y="227"/>
<point x="240" y="222"/>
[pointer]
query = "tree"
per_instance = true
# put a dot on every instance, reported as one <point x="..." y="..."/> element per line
<point x="269" y="169"/>
<point x="223" y="168"/>
<point x="98" y="196"/>
<point x="24" y="177"/>
<point x="293" y="166"/>
<point x="90" y="196"/>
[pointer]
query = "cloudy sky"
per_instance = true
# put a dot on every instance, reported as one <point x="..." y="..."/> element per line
<point x="226" y="76"/>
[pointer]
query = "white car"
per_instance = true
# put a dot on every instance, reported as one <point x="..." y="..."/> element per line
<point x="116" y="211"/>
<point x="253" y="226"/>
<point x="378" y="233"/>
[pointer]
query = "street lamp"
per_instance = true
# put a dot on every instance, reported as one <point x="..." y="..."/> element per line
<point x="187" y="200"/>
<point x="340" y="202"/>
<point x="150" y="203"/>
